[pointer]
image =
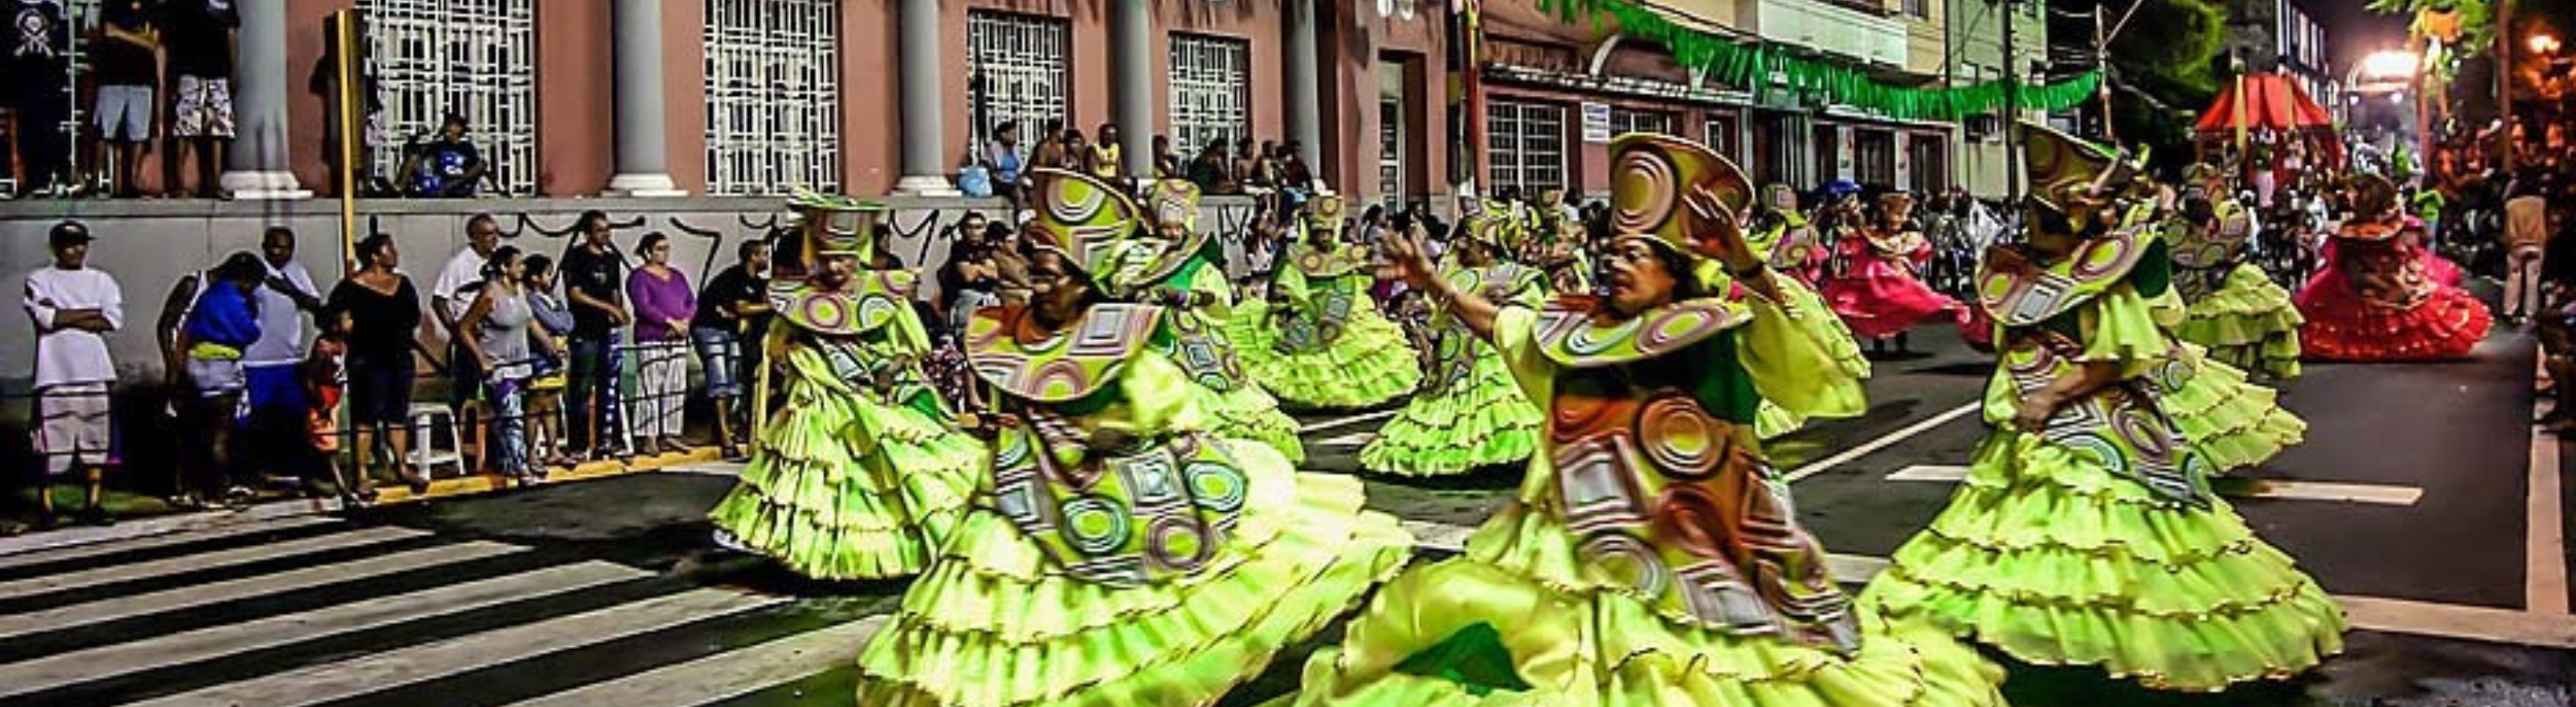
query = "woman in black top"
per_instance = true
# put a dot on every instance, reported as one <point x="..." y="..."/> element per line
<point x="377" y="312"/>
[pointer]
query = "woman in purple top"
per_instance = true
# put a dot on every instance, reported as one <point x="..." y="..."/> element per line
<point x="663" y="303"/>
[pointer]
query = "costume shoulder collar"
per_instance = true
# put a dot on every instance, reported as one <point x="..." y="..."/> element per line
<point x="1063" y="367"/>
<point x="875" y="298"/>
<point x="1568" y="335"/>
<point x="2019" y="292"/>
<point x="1332" y="261"/>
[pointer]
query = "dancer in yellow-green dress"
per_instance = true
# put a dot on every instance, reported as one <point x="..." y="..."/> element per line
<point x="2086" y="532"/>
<point x="1468" y="414"/>
<point x="1328" y="348"/>
<point x="1651" y="556"/>
<point x="1781" y="236"/>
<point x="1119" y="553"/>
<point x="2243" y="318"/>
<point x="858" y="475"/>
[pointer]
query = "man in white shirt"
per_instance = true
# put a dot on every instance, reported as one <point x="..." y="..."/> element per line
<point x="72" y="306"/>
<point x="273" y="365"/>
<point x="464" y="381"/>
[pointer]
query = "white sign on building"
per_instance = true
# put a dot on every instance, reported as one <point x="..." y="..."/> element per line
<point x="1596" y="123"/>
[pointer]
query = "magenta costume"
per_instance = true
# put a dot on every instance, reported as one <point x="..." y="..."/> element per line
<point x="1873" y="287"/>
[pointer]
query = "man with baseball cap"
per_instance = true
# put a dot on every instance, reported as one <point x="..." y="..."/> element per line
<point x="73" y="306"/>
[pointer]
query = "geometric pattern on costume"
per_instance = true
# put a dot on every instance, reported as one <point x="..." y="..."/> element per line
<point x="2016" y="292"/>
<point x="1203" y="352"/>
<point x="1669" y="501"/>
<point x="1453" y="346"/>
<point x="1146" y="511"/>
<point x="1327" y="313"/>
<point x="2204" y="257"/>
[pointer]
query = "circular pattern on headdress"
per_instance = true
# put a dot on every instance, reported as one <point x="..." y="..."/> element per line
<point x="876" y="310"/>
<point x="1216" y="487"/>
<point x="1588" y="340"/>
<point x="1178" y="542"/>
<point x="1093" y="525"/>
<point x="825" y="312"/>
<point x="2102" y="256"/>
<point x="1645" y="188"/>
<point x="1691" y="517"/>
<point x="1058" y="377"/>
<point x="1678" y="326"/>
<point x="1619" y="559"/>
<point x="1681" y="439"/>
<point x="1070" y="201"/>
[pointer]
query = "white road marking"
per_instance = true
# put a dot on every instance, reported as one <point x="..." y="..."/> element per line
<point x="228" y="590"/>
<point x="1345" y="421"/>
<point x="2373" y="494"/>
<point x="709" y="469"/>
<point x="61" y="669"/>
<point x="143" y="535"/>
<point x="2545" y="576"/>
<point x="1355" y="439"/>
<point x="365" y="674"/>
<point x="725" y="675"/>
<point x="1909" y="432"/>
<point x="202" y="561"/>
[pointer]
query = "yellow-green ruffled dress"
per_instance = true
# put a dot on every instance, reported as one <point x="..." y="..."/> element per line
<point x="2096" y="541"/>
<point x="858" y="475"/>
<point x="1119" y="554"/>
<point x="1195" y="338"/>
<point x="1650" y="557"/>
<point x="1469" y="414"/>
<point x="2240" y="315"/>
<point x="2236" y="423"/>
<point x="1789" y="247"/>
<point x="1329" y="349"/>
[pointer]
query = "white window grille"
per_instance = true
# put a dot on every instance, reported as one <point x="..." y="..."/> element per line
<point x="1211" y="90"/>
<point x="1390" y="149"/>
<point x="1016" y="72"/>
<point x="1918" y="8"/>
<point x="773" y="96"/>
<point x="1528" y="145"/>
<point x="475" y="58"/>
<point x="1722" y="137"/>
<point x="1874" y="157"/>
<point x="1626" y="120"/>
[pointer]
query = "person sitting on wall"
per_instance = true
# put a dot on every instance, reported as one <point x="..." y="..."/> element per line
<point x="445" y="167"/>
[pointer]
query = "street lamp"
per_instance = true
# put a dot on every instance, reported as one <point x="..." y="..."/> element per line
<point x="2391" y="64"/>
<point x="2544" y="43"/>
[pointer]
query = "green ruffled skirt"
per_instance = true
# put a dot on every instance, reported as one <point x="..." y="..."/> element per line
<point x="1249" y="413"/>
<point x="1770" y="421"/>
<point x="1513" y="622"/>
<point x="996" y="623"/>
<point x="843" y="488"/>
<point x="2055" y="561"/>
<point x="1370" y="365"/>
<point x="1481" y="420"/>
<point x="2235" y="423"/>
<point x="2249" y="323"/>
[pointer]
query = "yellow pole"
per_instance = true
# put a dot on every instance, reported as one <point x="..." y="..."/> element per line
<point x="344" y="31"/>
<point x="2244" y="160"/>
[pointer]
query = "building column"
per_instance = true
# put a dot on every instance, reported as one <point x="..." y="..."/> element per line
<point x="925" y="172"/>
<point x="643" y="150"/>
<point x="1131" y="58"/>
<point x="256" y="166"/>
<point x="1305" y="102"/>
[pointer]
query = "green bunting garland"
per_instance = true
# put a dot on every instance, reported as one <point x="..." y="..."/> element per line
<point x="1734" y="64"/>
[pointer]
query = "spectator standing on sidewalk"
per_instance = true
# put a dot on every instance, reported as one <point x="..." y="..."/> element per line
<point x="127" y="64"/>
<point x="733" y="308"/>
<point x="2526" y="241"/>
<point x="448" y="300"/>
<point x="71" y="306"/>
<point x="594" y="279"/>
<point x="377" y="311"/>
<point x="200" y="40"/>
<point x="499" y="333"/>
<point x="38" y="66"/>
<point x="664" y="303"/>
<point x="271" y="365"/>
<point x="545" y="390"/>
<point x="220" y="327"/>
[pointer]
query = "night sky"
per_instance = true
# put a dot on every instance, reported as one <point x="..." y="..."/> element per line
<point x="2353" y="31"/>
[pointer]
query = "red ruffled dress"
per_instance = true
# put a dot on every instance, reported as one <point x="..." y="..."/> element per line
<point x="1874" y="289"/>
<point x="2382" y="297"/>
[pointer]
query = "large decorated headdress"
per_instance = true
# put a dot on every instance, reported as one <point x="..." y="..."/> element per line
<point x="1668" y="189"/>
<point x="2375" y="213"/>
<point x="1172" y="200"/>
<point x="1494" y="228"/>
<point x="1092" y="224"/>
<point x="2072" y="182"/>
<point x="826" y="224"/>
<point x="1324" y="213"/>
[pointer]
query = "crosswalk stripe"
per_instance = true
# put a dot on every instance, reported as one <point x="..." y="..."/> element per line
<point x="380" y="671"/>
<point x="204" y="561"/>
<point x="74" y="552"/>
<point x="217" y="592"/>
<point x="725" y="675"/>
<point x="2270" y="489"/>
<point x="177" y="649"/>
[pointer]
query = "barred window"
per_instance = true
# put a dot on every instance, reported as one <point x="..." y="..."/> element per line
<point x="1016" y="72"/>
<point x="773" y="96"/>
<point x="476" y="58"/>
<point x="1722" y="137"/>
<point x="1390" y="149"/>
<point x="1211" y="90"/>
<point x="1626" y="120"/>
<point x="1874" y="158"/>
<point x="1528" y="143"/>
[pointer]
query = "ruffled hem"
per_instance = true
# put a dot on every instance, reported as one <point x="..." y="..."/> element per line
<point x="830" y="509"/>
<point x="2234" y="423"/>
<point x="2342" y="327"/>
<point x="1880" y="307"/>
<point x="1771" y="421"/>
<point x="1368" y="366"/>
<point x="2030" y="560"/>
<point x="1488" y="425"/>
<point x="1549" y="646"/>
<point x="994" y="624"/>
<point x="1250" y="413"/>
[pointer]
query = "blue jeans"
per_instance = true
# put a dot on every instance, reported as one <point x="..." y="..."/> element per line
<point x="592" y="396"/>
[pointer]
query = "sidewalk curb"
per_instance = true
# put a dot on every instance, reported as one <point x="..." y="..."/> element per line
<point x="698" y="461"/>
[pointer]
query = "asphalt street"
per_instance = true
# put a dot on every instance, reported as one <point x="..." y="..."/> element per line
<point x="2420" y="500"/>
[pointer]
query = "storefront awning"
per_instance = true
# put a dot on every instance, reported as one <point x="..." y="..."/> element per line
<point x="2269" y="102"/>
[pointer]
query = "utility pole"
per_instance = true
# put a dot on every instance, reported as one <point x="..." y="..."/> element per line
<point x="2504" y="78"/>
<point x="2102" y="63"/>
<point x="2012" y="107"/>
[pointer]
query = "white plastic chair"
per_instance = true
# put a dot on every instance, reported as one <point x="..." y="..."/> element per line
<point x="426" y="454"/>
